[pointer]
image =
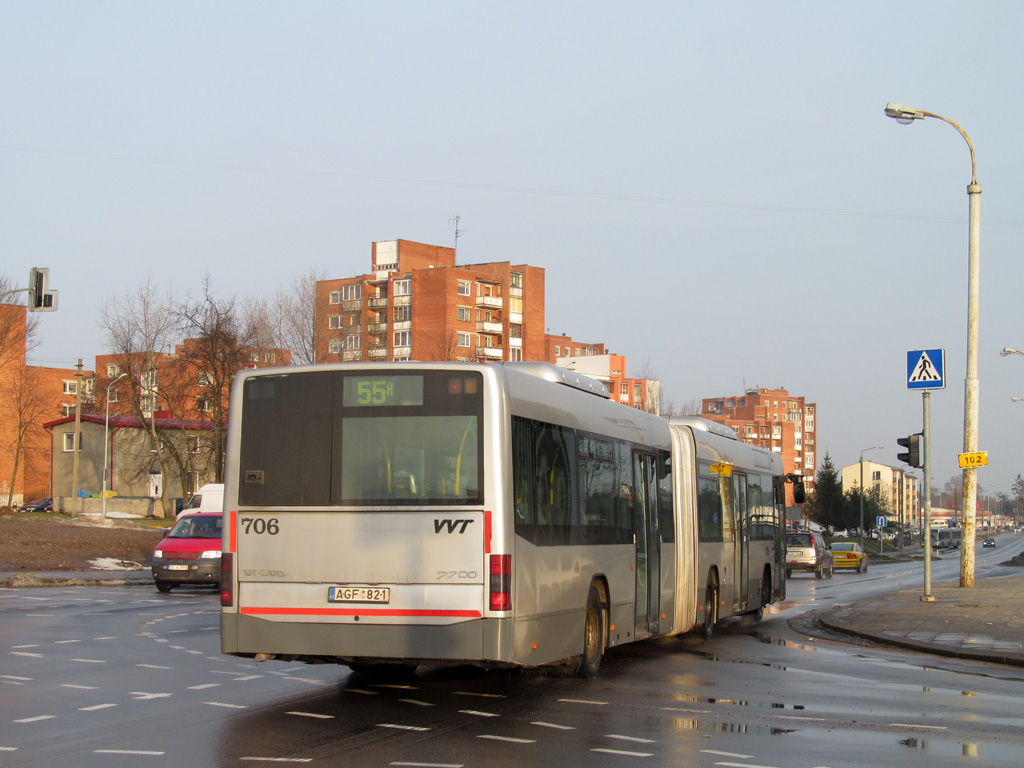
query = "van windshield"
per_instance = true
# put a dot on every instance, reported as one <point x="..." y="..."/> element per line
<point x="194" y="502"/>
<point x="197" y="527"/>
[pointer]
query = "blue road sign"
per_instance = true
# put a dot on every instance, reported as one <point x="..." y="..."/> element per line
<point x="880" y="521"/>
<point x="926" y="369"/>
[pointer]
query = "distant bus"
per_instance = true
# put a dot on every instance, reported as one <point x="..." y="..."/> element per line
<point x="493" y="514"/>
<point x="946" y="538"/>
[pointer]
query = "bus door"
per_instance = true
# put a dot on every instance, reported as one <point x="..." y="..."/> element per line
<point x="741" y="561"/>
<point x="648" y="544"/>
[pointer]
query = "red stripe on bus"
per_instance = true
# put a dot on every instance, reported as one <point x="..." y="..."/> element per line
<point x="233" y="531"/>
<point x="487" y="532"/>
<point x="274" y="611"/>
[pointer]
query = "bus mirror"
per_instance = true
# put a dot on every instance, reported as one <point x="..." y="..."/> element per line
<point x="799" y="494"/>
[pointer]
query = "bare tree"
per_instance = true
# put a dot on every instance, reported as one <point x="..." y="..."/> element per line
<point x="26" y="404"/>
<point x="19" y="330"/>
<point x="215" y="349"/>
<point x="141" y="326"/>
<point x="287" y="320"/>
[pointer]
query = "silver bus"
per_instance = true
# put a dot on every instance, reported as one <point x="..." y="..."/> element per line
<point x="493" y="514"/>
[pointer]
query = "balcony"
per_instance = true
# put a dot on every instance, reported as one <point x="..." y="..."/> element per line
<point x="483" y="326"/>
<point x="489" y="302"/>
<point x="350" y="355"/>
<point x="354" y="305"/>
<point x="351" y="330"/>
<point x="377" y="328"/>
<point x="377" y="353"/>
<point x="491" y="353"/>
<point x="378" y="302"/>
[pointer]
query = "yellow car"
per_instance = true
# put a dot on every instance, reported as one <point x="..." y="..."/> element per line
<point x="846" y="554"/>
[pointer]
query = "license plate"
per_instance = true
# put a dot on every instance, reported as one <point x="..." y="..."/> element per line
<point x="359" y="594"/>
<point x="177" y="567"/>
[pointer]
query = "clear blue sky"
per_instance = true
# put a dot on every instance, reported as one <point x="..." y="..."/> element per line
<point x="712" y="188"/>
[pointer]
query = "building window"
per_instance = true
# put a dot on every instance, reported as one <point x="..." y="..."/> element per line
<point x="269" y="357"/>
<point x="334" y="322"/>
<point x="205" y="379"/>
<point x="465" y="340"/>
<point x="335" y="297"/>
<point x="334" y="347"/>
<point x="69" y="442"/>
<point x="403" y="287"/>
<point x="515" y="353"/>
<point x="70" y="387"/>
<point x="403" y="313"/>
<point x="465" y="288"/>
<point x="113" y="371"/>
<point x="465" y="314"/>
<point x="353" y="341"/>
<point x="353" y="292"/>
<point x="515" y="279"/>
<point x="193" y="444"/>
<point x="558" y="351"/>
<point x="204" y="404"/>
<point x="403" y="338"/>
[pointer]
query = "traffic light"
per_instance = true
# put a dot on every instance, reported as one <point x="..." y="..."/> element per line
<point x="912" y="456"/>
<point x="40" y="297"/>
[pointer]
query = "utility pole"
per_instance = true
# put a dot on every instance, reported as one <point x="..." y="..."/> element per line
<point x="76" y="503"/>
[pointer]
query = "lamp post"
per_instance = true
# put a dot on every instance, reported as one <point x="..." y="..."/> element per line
<point x="872" y="448"/>
<point x="106" y="440"/>
<point x="905" y="116"/>
<point x="1007" y="351"/>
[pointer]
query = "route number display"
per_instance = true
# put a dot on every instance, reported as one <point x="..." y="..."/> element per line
<point x="977" y="459"/>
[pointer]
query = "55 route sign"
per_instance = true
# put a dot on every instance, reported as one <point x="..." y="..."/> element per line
<point x="926" y="369"/>
<point x="976" y="459"/>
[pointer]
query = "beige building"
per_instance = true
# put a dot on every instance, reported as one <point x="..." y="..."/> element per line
<point x="900" y="490"/>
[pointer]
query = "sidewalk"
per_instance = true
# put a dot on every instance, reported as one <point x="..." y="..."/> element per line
<point x="983" y="623"/>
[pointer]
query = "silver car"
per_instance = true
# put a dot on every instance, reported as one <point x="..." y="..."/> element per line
<point x="806" y="552"/>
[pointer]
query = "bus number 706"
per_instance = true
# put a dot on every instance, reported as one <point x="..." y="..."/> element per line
<point x="259" y="525"/>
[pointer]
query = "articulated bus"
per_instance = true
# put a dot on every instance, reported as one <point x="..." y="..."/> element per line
<point x="501" y="515"/>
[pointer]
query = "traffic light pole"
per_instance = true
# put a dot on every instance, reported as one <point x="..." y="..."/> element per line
<point x="927" y="405"/>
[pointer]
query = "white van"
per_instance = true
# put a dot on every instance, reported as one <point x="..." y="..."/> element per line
<point x="209" y="498"/>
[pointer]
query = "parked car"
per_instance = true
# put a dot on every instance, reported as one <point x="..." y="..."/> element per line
<point x="847" y="554"/>
<point x="807" y="552"/>
<point x="39" y="505"/>
<point x="989" y="542"/>
<point x="190" y="553"/>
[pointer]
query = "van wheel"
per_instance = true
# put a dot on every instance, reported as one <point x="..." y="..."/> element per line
<point x="593" y="636"/>
<point x="819" y="571"/>
<point x="710" y="608"/>
<point x="164" y="586"/>
<point x="766" y="595"/>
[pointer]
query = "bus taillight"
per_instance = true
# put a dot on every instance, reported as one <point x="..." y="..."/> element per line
<point x="227" y="588"/>
<point x="501" y="582"/>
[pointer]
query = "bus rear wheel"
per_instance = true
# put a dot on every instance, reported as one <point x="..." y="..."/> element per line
<point x="593" y="636"/>
<point x="710" y="608"/>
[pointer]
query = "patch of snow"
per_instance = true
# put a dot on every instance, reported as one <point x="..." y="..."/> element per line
<point x="114" y="564"/>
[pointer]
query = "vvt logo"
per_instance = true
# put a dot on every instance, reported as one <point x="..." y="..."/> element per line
<point x="453" y="526"/>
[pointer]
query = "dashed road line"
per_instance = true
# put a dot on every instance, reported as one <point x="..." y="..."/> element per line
<point x="478" y="713"/>
<point x="629" y="738"/>
<point x="511" y="739"/>
<point x="584" y="701"/>
<point x="142" y="752"/>
<point x="417" y="702"/>
<point x="311" y="714"/>
<point x="35" y="719"/>
<point x="228" y="706"/>
<point x="95" y="707"/>
<point x="542" y="724"/>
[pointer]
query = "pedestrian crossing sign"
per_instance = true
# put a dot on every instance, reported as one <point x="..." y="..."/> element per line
<point x="926" y="369"/>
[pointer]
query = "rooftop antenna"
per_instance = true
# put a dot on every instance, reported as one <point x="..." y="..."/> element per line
<point x="455" y="220"/>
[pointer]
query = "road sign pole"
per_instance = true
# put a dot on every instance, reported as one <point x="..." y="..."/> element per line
<point x="926" y="402"/>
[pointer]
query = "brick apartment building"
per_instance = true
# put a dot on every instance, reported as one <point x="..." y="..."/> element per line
<point x="775" y="420"/>
<point x="29" y="396"/>
<point x="417" y="304"/>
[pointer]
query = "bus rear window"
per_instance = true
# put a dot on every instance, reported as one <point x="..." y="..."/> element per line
<point x="322" y="438"/>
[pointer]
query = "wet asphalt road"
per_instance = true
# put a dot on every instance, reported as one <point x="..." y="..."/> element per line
<point x="126" y="676"/>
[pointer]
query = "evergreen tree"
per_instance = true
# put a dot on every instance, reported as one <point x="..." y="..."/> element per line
<point x="826" y="504"/>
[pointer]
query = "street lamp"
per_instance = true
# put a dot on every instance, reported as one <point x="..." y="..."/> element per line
<point x="1005" y="351"/>
<point x="106" y="440"/>
<point x="872" y="448"/>
<point x="906" y="115"/>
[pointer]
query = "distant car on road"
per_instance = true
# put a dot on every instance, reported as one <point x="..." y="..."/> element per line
<point x="989" y="542"/>
<point x="847" y="554"/>
<point x="807" y="551"/>
<point x="39" y="505"/>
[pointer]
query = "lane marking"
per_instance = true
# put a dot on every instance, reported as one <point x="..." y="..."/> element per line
<point x="624" y="753"/>
<point x="925" y="727"/>
<point x="311" y="714"/>
<point x="402" y="727"/>
<point x="204" y="686"/>
<point x="127" y="752"/>
<point x="152" y="666"/>
<point x="507" y="738"/>
<point x="542" y="724"/>
<point x="79" y="687"/>
<point x="91" y="661"/>
<point x="417" y="702"/>
<point x="34" y="719"/>
<point x="229" y="706"/>
<point x="629" y="738"/>
<point x="477" y="713"/>
<point x="278" y="759"/>
<point x="95" y="707"/>
<point x="726" y="754"/>
<point x="431" y="765"/>
<point x="584" y="701"/>
<point x="481" y="695"/>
